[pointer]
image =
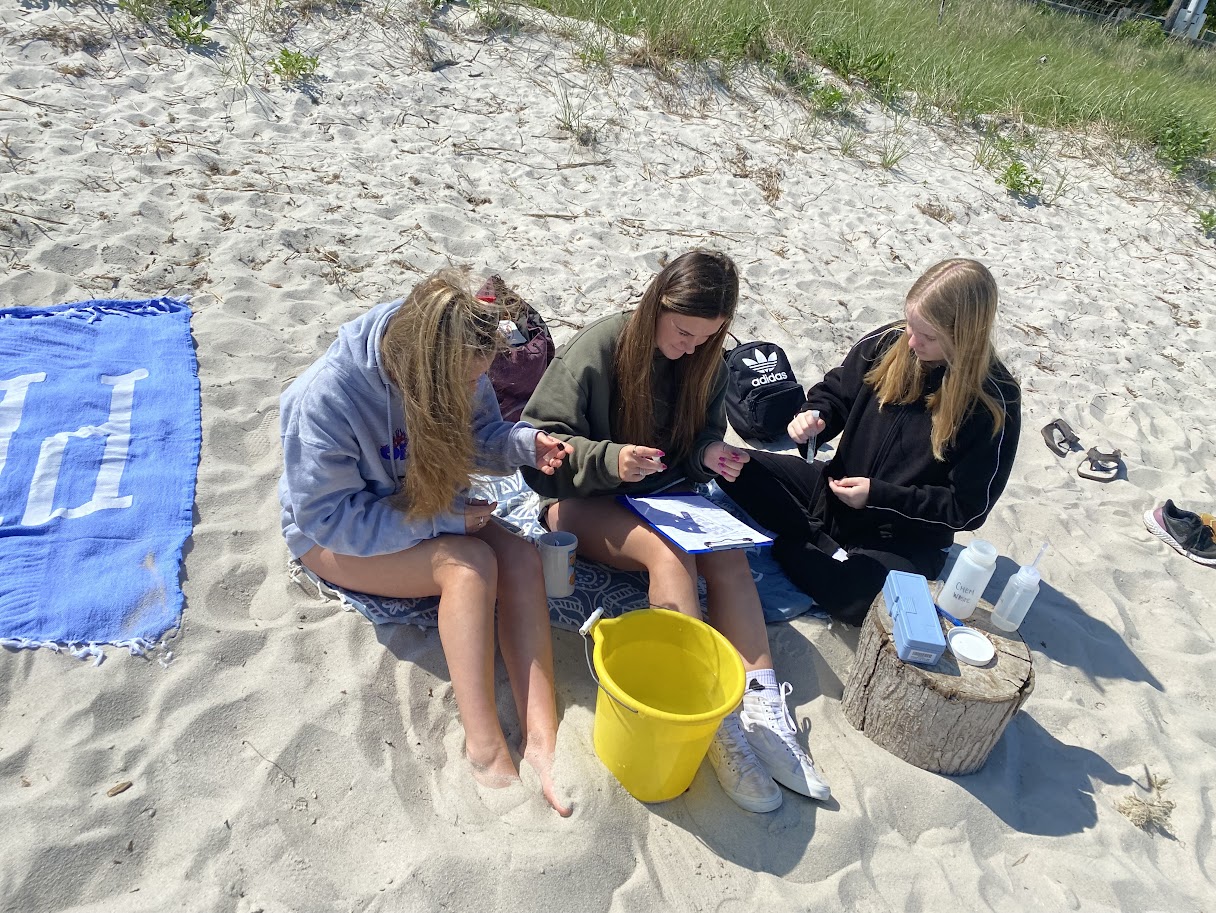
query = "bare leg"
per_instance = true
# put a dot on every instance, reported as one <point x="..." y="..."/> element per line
<point x="612" y="534"/>
<point x="527" y="650"/>
<point x="464" y="572"/>
<point x="734" y="605"/>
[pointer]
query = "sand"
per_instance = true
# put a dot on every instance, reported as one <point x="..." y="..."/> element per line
<point x="292" y="757"/>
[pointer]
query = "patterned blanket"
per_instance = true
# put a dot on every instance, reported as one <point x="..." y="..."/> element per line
<point x="595" y="585"/>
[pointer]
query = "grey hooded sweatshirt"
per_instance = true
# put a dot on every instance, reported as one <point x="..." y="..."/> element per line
<point x="345" y="449"/>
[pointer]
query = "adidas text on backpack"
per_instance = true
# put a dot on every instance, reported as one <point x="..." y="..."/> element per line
<point x="762" y="393"/>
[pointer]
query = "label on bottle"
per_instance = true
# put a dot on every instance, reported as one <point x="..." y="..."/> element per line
<point x="962" y="593"/>
<point x="959" y="600"/>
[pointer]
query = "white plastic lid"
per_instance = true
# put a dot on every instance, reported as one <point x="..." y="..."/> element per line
<point x="970" y="646"/>
<point x="982" y="551"/>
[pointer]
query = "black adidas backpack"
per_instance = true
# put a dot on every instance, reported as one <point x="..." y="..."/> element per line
<point x="762" y="394"/>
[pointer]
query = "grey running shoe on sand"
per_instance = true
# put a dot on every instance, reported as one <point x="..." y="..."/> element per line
<point x="743" y="778"/>
<point x="770" y="730"/>
<point x="1183" y="531"/>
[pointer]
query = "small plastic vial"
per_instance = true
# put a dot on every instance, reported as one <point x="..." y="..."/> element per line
<point x="970" y="574"/>
<point x="811" y="446"/>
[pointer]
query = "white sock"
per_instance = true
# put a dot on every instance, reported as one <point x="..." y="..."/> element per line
<point x="762" y="697"/>
<point x="767" y="678"/>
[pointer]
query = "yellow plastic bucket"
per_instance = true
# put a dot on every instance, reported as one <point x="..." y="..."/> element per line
<point x="666" y="681"/>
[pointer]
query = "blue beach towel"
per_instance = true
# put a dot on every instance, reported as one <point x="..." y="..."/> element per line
<point x="99" y="445"/>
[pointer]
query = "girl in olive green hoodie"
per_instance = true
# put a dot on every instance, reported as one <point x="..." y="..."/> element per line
<point x="639" y="397"/>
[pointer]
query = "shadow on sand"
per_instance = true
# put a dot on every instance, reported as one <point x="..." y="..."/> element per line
<point x="1058" y="627"/>
<point x="1057" y="803"/>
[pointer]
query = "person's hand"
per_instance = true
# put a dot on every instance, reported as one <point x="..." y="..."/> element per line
<point x="550" y="452"/>
<point x="725" y="460"/>
<point x="477" y="514"/>
<point x="803" y="425"/>
<point x="636" y="462"/>
<point x="854" y="491"/>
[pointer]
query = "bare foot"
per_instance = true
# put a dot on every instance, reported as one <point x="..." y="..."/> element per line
<point x="541" y="760"/>
<point x="496" y="771"/>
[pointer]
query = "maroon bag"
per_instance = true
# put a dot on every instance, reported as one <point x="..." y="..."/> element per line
<point x="517" y="369"/>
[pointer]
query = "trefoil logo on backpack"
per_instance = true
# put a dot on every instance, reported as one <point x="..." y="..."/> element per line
<point x="766" y="366"/>
<point x="762" y="362"/>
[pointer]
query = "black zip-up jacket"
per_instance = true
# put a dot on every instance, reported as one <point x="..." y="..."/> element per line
<point x="916" y="502"/>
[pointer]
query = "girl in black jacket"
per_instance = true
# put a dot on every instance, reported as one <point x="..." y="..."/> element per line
<point x="930" y="418"/>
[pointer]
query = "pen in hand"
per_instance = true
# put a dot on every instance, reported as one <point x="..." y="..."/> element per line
<point x="636" y="462"/>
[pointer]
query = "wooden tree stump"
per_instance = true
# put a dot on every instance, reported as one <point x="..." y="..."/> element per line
<point x="944" y="718"/>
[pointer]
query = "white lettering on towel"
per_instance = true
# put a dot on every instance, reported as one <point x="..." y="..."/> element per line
<point x="11" y="406"/>
<point x="117" y="432"/>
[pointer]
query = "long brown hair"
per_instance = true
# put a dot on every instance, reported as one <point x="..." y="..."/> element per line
<point x="700" y="283"/>
<point x="428" y="350"/>
<point x="958" y="299"/>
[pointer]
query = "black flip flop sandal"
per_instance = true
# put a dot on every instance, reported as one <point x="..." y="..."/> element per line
<point x="1099" y="466"/>
<point x="1060" y="437"/>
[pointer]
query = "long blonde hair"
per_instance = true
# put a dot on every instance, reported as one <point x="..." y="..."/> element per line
<point x="700" y="283"/>
<point x="428" y="351"/>
<point x="958" y="299"/>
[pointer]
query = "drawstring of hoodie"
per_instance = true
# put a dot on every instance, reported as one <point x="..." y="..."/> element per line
<point x="388" y="421"/>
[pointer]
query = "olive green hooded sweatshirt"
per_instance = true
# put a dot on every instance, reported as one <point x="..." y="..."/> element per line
<point x="577" y="401"/>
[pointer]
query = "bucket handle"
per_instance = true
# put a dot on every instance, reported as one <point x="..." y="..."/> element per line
<point x="585" y="631"/>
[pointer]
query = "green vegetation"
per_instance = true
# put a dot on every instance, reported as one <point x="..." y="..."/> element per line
<point x="190" y="30"/>
<point x="185" y="20"/>
<point x="1002" y="67"/>
<point x="494" y="17"/>
<point x="1207" y="223"/>
<point x="1146" y="31"/>
<point x="831" y="100"/>
<point x="894" y="150"/>
<point x="1017" y="179"/>
<point x="595" y="52"/>
<point x="997" y="150"/>
<point x="794" y="72"/>
<point x="293" y="66"/>
<point x="849" y="141"/>
<point x="571" y="117"/>
<point x="1181" y="141"/>
<point x="985" y="57"/>
<point x="1005" y="156"/>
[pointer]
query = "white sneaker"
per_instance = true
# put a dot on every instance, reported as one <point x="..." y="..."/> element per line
<point x="769" y="729"/>
<point x="743" y="778"/>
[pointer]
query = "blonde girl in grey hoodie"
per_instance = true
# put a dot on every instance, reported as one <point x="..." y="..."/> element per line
<point x="380" y="437"/>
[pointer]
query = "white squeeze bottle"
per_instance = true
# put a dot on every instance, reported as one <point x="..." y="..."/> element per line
<point x="970" y="574"/>
<point x="1019" y="593"/>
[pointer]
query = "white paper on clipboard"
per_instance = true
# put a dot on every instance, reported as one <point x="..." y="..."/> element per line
<point x="695" y="524"/>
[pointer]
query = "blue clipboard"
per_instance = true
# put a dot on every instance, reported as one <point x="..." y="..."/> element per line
<point x="695" y="524"/>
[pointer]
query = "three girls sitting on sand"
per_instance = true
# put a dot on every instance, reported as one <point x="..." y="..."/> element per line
<point x="634" y="404"/>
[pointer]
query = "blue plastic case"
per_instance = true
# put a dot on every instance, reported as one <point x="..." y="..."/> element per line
<point x="918" y="633"/>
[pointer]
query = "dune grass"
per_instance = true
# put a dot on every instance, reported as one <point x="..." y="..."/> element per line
<point x="996" y="65"/>
<point x="986" y="57"/>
